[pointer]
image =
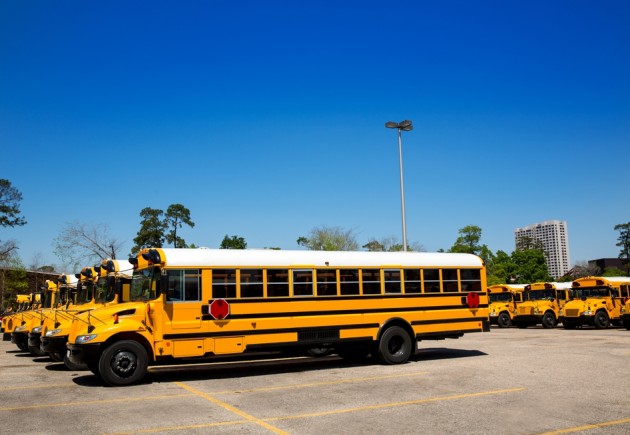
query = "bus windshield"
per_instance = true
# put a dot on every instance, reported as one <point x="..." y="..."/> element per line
<point x="144" y="284"/>
<point x="47" y="299"/>
<point x="105" y="291"/>
<point x="540" y="295"/>
<point x="84" y="292"/>
<point x="501" y="297"/>
<point x="592" y="292"/>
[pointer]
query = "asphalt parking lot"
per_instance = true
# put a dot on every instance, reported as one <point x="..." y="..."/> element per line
<point x="508" y="381"/>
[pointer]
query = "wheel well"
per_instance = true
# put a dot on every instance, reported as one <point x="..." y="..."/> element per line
<point x="397" y="321"/>
<point x="130" y="336"/>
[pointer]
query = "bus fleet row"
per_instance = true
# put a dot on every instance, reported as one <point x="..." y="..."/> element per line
<point x="595" y="301"/>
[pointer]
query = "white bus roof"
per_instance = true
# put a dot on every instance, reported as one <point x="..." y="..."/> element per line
<point x="272" y="257"/>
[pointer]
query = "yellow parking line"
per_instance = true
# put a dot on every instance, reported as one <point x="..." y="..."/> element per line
<point x="231" y="408"/>
<point x="395" y="404"/>
<point x="92" y="402"/>
<point x="319" y="384"/>
<point x="588" y="427"/>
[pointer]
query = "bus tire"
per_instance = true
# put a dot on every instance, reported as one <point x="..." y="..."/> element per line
<point x="124" y="362"/>
<point x="22" y="346"/>
<point x="36" y="351"/>
<point x="549" y="321"/>
<point x="626" y="324"/>
<point x="394" y="347"/>
<point x="601" y="320"/>
<point x="319" y="351"/>
<point x="72" y="366"/>
<point x="55" y="356"/>
<point x="504" y="320"/>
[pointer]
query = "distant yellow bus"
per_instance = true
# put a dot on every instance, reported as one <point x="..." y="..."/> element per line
<point x="504" y="300"/>
<point x="543" y="303"/>
<point x="596" y="301"/>
<point x="204" y="302"/>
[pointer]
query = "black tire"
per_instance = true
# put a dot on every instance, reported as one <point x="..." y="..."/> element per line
<point x="318" y="351"/>
<point x="504" y="320"/>
<point x="55" y="356"/>
<point x="395" y="346"/>
<point x="72" y="366"/>
<point x="601" y="320"/>
<point x="626" y="324"/>
<point x="22" y="346"/>
<point x="36" y="351"/>
<point x="123" y="363"/>
<point x="549" y="320"/>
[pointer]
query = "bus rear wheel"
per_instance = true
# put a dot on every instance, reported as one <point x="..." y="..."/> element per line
<point x="123" y="363"/>
<point x="395" y="346"/>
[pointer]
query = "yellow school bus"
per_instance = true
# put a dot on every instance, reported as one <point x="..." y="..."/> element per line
<point x="543" y="303"/>
<point x="597" y="301"/>
<point x="27" y="320"/>
<point x="625" y="314"/>
<point x="113" y="277"/>
<point x="21" y="301"/>
<point x="204" y="302"/>
<point x="504" y="299"/>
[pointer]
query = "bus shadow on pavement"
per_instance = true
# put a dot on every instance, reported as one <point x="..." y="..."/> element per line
<point x="436" y="353"/>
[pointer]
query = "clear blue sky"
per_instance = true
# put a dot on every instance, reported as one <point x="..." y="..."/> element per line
<point x="266" y="119"/>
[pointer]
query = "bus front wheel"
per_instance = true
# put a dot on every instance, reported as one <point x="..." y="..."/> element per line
<point x="549" y="321"/>
<point x="504" y="320"/>
<point x="123" y="363"/>
<point x="395" y="346"/>
<point x="601" y="320"/>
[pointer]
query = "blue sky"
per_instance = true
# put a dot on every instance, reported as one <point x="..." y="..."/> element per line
<point x="266" y="119"/>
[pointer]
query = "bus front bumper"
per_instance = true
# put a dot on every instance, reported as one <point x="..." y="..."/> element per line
<point x="34" y="339"/>
<point x="54" y="344"/>
<point x="83" y="353"/>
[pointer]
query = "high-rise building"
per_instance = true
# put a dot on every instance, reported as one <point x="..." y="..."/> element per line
<point x="555" y="241"/>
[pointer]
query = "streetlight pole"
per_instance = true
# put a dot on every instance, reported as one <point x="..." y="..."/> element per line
<point x="401" y="126"/>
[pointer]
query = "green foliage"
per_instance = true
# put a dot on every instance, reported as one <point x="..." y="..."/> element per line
<point x="613" y="271"/>
<point x="176" y="216"/>
<point x="151" y="232"/>
<point x="468" y="240"/>
<point x="329" y="239"/>
<point x="10" y="199"/>
<point x="13" y="280"/>
<point x="233" y="242"/>
<point x="623" y="241"/>
<point x="530" y="266"/>
<point x="389" y="244"/>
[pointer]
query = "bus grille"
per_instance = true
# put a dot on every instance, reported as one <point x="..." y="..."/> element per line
<point x="525" y="311"/>
<point x="572" y="313"/>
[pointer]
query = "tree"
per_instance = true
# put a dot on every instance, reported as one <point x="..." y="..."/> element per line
<point x="531" y="266"/>
<point x="13" y="280"/>
<point x="329" y="239"/>
<point x="6" y="249"/>
<point x="526" y="242"/>
<point x="177" y="215"/>
<point x="468" y="240"/>
<point x="10" y="199"/>
<point x="390" y="244"/>
<point x="233" y="242"/>
<point x="80" y="244"/>
<point x="623" y="241"/>
<point x="502" y="270"/>
<point x="151" y="232"/>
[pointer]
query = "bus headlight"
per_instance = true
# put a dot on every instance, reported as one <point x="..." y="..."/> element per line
<point x="537" y="311"/>
<point x="587" y="313"/>
<point x="20" y="328"/>
<point x="37" y="330"/>
<point x="82" y="339"/>
<point x="53" y="332"/>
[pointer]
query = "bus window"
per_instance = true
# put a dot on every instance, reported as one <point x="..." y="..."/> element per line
<point x="471" y="280"/>
<point x="431" y="280"/>
<point x="303" y="282"/>
<point x="412" y="281"/>
<point x="326" y="282"/>
<point x="450" y="281"/>
<point x="223" y="283"/>
<point x="349" y="281"/>
<point x="277" y="283"/>
<point x="392" y="280"/>
<point x="251" y="283"/>
<point x="371" y="281"/>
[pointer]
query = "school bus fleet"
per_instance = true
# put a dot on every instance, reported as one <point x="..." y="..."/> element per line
<point x="176" y="305"/>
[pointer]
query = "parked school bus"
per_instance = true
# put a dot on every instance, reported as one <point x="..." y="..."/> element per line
<point x="110" y="279"/>
<point x="504" y="299"/>
<point x="543" y="303"/>
<point x="21" y="301"/>
<point x="75" y="294"/>
<point x="26" y="320"/>
<point x="625" y="314"/>
<point x="205" y="302"/>
<point x="597" y="301"/>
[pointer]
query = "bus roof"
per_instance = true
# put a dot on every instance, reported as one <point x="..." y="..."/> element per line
<point x="270" y="257"/>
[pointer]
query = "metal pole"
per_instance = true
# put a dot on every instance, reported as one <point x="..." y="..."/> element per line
<point x="402" y="191"/>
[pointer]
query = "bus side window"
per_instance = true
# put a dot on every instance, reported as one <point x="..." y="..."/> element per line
<point x="431" y="280"/>
<point x="223" y="283"/>
<point x="277" y="283"/>
<point x="449" y="280"/>
<point x="326" y="282"/>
